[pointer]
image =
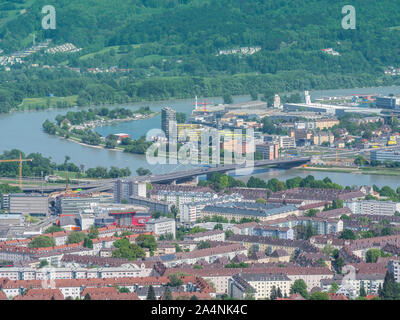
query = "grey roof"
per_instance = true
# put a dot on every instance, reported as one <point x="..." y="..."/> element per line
<point x="168" y="257"/>
<point x="240" y="210"/>
<point x="264" y="277"/>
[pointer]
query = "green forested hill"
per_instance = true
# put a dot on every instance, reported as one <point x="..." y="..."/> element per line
<point x="172" y="46"/>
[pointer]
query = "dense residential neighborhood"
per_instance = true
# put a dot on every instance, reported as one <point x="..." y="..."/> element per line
<point x="225" y="153"/>
<point x="326" y="244"/>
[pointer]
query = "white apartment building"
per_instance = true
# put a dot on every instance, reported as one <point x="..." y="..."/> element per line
<point x="181" y="197"/>
<point x="394" y="267"/>
<point x="213" y="235"/>
<point x="161" y="226"/>
<point x="191" y="211"/>
<point x="261" y="284"/>
<point x="387" y="208"/>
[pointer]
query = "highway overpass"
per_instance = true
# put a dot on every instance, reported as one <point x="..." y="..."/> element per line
<point x="104" y="185"/>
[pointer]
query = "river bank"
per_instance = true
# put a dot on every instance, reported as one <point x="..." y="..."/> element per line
<point x="22" y="130"/>
<point x="369" y="171"/>
<point x="71" y="133"/>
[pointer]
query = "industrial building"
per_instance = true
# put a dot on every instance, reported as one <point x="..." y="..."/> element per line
<point x="118" y="214"/>
<point x="75" y="203"/>
<point x="381" y="155"/>
<point x="387" y="102"/>
<point x="130" y="218"/>
<point x="26" y="204"/>
<point x="11" y="219"/>
<point x="153" y="204"/>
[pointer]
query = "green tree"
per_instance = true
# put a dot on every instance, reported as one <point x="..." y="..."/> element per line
<point x="151" y="295"/>
<point x="300" y="287"/>
<point x="311" y="213"/>
<point x="334" y="287"/>
<point x="130" y="251"/>
<point x="328" y="250"/>
<point x="43" y="263"/>
<point x="76" y="237"/>
<point x="362" y="292"/>
<point x="87" y="297"/>
<point x="147" y="241"/>
<point x="390" y="289"/>
<point x="174" y="280"/>
<point x="53" y="229"/>
<point x="42" y="242"/>
<point x="204" y="245"/>
<point x="249" y="293"/>
<point x="88" y="243"/>
<point x="319" y="296"/>
<point x="227" y="98"/>
<point x="372" y="255"/>
<point x="360" y="161"/>
<point x="93" y="232"/>
<point x="348" y="235"/>
<point x="228" y="233"/>
<point x="218" y="226"/>
<point x="167" y="294"/>
<point x="143" y="172"/>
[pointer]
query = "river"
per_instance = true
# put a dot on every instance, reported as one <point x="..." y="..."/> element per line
<point x="344" y="179"/>
<point x="23" y="131"/>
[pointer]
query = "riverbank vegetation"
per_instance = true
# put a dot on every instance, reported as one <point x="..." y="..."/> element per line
<point x="78" y="126"/>
<point x="42" y="166"/>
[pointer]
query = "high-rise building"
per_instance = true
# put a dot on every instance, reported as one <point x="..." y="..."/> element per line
<point x="124" y="189"/>
<point x="277" y="102"/>
<point x="167" y="115"/>
<point x="307" y="97"/>
<point x="269" y="151"/>
<point x="139" y="189"/>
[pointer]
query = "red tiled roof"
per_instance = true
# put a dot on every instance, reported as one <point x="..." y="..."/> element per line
<point x="41" y="294"/>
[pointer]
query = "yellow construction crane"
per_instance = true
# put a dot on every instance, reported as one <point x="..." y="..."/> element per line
<point x="67" y="189"/>
<point x="20" y="160"/>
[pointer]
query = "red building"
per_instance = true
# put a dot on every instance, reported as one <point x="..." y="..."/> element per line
<point x="130" y="218"/>
<point x="121" y="136"/>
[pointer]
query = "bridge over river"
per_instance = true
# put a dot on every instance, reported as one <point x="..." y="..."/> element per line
<point x="174" y="177"/>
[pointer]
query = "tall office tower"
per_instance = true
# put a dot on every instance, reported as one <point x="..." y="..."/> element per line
<point x="167" y="115"/>
<point x="277" y="102"/>
<point x="123" y="189"/>
<point x="307" y="97"/>
<point x="139" y="189"/>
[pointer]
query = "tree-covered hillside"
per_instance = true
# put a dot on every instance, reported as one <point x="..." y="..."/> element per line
<point x="172" y="46"/>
